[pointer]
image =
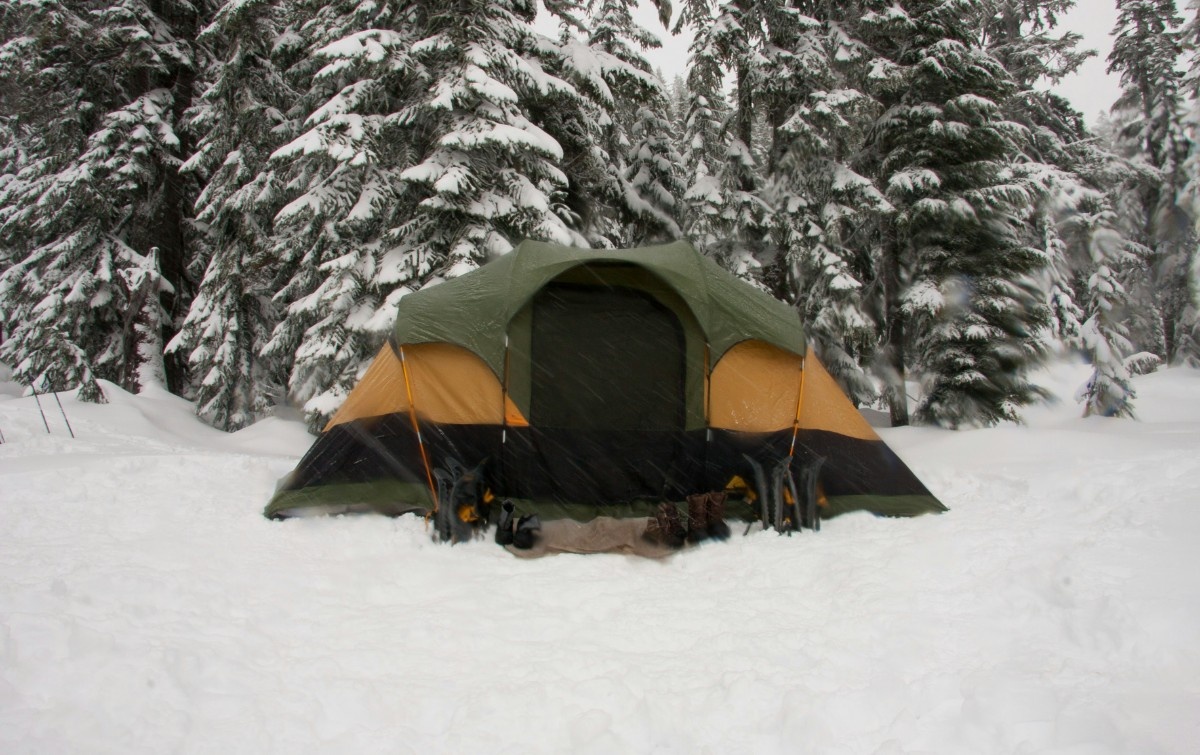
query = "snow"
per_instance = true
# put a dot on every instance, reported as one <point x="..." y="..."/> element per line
<point x="372" y="46"/>
<point x="520" y="134"/>
<point x="584" y="61"/>
<point x="917" y="179"/>
<point x="705" y="189"/>
<point x="146" y="605"/>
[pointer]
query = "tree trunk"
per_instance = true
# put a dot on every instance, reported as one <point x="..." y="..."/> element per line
<point x="168" y="231"/>
<point x="135" y="311"/>
<point x="893" y="347"/>
<point x="1169" y="336"/>
<point x="173" y="211"/>
<point x="745" y="122"/>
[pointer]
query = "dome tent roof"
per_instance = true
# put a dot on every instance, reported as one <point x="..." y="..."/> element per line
<point x="474" y="310"/>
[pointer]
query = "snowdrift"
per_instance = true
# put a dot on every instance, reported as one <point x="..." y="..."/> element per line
<point x="147" y="606"/>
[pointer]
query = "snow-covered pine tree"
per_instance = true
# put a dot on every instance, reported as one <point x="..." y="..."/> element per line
<point x="13" y="157"/>
<point x="1188" y="332"/>
<point x="356" y="80"/>
<point x="1093" y="263"/>
<point x="653" y="176"/>
<point x="1091" y="227"/>
<point x="1024" y="36"/>
<point x="781" y="188"/>
<point x="99" y="196"/>
<point x="956" y="265"/>
<point x="1066" y="316"/>
<point x="704" y="141"/>
<point x="677" y="95"/>
<point x="638" y="182"/>
<point x="420" y="158"/>
<point x="886" y="30"/>
<point x="742" y="33"/>
<point x="243" y="118"/>
<point x="490" y="172"/>
<point x="730" y="218"/>
<point x="1074" y="215"/>
<point x="46" y="119"/>
<point x="578" y="119"/>
<point x="1129" y="172"/>
<point x="652" y="180"/>
<point x="824" y="210"/>
<point x="1146" y="53"/>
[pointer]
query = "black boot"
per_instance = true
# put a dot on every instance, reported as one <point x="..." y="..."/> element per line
<point x="697" y="517"/>
<point x="715" y="515"/>
<point x="526" y="533"/>
<point x="504" y="528"/>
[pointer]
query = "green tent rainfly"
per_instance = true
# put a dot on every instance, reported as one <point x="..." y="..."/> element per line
<point x="584" y="383"/>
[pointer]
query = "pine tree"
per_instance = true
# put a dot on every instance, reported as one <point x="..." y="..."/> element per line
<point x="14" y="76"/>
<point x="243" y="118"/>
<point x="356" y="80"/>
<point x="653" y="176"/>
<point x="45" y="131"/>
<point x="1091" y="227"/>
<point x="491" y="170"/>
<point x="98" y="197"/>
<point x="742" y="32"/>
<point x="1024" y="37"/>
<point x="956" y="268"/>
<point x="1136" y="274"/>
<point x="1091" y="260"/>
<point x="622" y="157"/>
<point x="704" y="141"/>
<point x="650" y="177"/>
<point x="1147" y="53"/>
<point x="420" y="159"/>
<point x="578" y="119"/>
<point x="1188" y="331"/>
<point x="781" y="187"/>
<point x="825" y="211"/>
<point x="725" y="214"/>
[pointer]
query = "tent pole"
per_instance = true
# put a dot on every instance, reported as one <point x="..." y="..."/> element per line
<point x="412" y="413"/>
<point x="708" y="408"/>
<point x="799" y="406"/>
<point x="64" y="414"/>
<point x="40" y="410"/>
<point x="503" y="476"/>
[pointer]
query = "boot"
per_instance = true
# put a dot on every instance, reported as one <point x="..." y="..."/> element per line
<point x="664" y="526"/>
<point x="715" y="515"/>
<point x="526" y="533"/>
<point x="504" y="528"/>
<point x="697" y="517"/>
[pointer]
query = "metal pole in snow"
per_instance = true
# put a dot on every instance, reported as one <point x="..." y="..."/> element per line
<point x="39" y="403"/>
<point x="64" y="414"/>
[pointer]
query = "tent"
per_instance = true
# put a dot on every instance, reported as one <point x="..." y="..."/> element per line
<point x="597" y="383"/>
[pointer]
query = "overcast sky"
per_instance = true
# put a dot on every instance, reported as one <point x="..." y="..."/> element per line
<point x="1092" y="90"/>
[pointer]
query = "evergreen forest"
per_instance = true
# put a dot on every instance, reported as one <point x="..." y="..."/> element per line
<point x="230" y="199"/>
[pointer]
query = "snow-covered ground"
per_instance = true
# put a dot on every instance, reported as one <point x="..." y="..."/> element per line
<point x="146" y="605"/>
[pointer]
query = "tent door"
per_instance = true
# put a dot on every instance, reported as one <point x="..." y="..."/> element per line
<point x="607" y="398"/>
<point x="605" y="359"/>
